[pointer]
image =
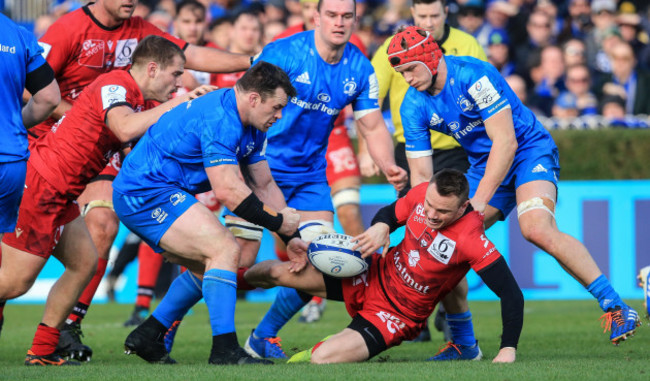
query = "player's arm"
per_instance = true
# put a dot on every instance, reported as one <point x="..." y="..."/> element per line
<point x="46" y="95"/>
<point x="500" y="129"/>
<point x="214" y="60"/>
<point x="421" y="168"/>
<point x="372" y="128"/>
<point x="498" y="277"/>
<point x="232" y="192"/>
<point x="127" y="124"/>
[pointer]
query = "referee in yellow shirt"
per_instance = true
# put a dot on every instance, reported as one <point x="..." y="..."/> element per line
<point x="432" y="16"/>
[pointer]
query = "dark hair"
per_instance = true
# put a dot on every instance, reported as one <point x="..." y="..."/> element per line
<point x="443" y="3"/>
<point x="264" y="78"/>
<point x="451" y="182"/>
<point x="218" y="22"/>
<point x="247" y="13"/>
<point x="193" y="5"/>
<point x="157" y="49"/>
<point x="354" y="2"/>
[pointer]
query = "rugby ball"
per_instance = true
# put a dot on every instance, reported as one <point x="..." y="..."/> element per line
<point x="332" y="255"/>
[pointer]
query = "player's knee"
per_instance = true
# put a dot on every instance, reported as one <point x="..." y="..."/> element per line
<point x="101" y="220"/>
<point x="15" y="285"/>
<point x="84" y="264"/>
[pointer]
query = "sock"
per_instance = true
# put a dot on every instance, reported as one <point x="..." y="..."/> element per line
<point x="224" y="343"/>
<point x="602" y="290"/>
<point x="148" y="269"/>
<point x="317" y="299"/>
<point x="286" y="304"/>
<point x="220" y="294"/>
<point x="184" y="292"/>
<point x="45" y="340"/>
<point x="282" y="254"/>
<point x="241" y="282"/>
<point x="81" y="308"/>
<point x="462" y="329"/>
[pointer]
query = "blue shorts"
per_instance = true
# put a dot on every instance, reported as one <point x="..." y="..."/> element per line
<point x="307" y="196"/>
<point x="150" y="214"/>
<point x="530" y="164"/>
<point x="12" y="178"/>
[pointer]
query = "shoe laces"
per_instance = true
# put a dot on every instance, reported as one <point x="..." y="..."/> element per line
<point x="450" y="344"/>
<point x="610" y="317"/>
<point x="75" y="331"/>
<point x="275" y="343"/>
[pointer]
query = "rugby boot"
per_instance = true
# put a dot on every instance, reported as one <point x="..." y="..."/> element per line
<point x="70" y="346"/>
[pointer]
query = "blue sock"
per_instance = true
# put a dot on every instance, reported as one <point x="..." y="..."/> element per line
<point x="602" y="290"/>
<point x="286" y="304"/>
<point x="184" y="292"/>
<point x="220" y="294"/>
<point x="462" y="329"/>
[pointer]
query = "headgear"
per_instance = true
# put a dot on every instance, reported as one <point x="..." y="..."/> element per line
<point x="420" y="48"/>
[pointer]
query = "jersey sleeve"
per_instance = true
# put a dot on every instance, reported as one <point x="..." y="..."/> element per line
<point x="274" y="53"/>
<point x="486" y="90"/>
<point x="405" y="205"/>
<point x="57" y="45"/>
<point x="477" y="249"/>
<point x="383" y="70"/>
<point x="221" y="149"/>
<point x="114" y="92"/>
<point x="33" y="50"/>
<point x="259" y="154"/>
<point x="415" y="123"/>
<point x="368" y="99"/>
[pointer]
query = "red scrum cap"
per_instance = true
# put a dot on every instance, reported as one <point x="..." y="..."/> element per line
<point x="417" y="45"/>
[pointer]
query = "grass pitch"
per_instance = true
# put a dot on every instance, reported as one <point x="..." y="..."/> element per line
<point x="561" y="340"/>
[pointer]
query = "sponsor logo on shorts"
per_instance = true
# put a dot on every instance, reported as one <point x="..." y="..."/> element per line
<point x="442" y="248"/>
<point x="393" y="324"/>
<point x="159" y="215"/>
<point x="19" y="231"/>
<point x="177" y="198"/>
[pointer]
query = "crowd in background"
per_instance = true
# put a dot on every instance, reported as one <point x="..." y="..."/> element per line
<point x="575" y="63"/>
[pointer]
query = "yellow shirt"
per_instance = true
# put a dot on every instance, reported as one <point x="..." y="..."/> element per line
<point x="455" y="42"/>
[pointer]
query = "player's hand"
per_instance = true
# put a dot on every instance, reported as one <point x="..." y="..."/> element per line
<point x="397" y="177"/>
<point x="297" y="253"/>
<point x="506" y="355"/>
<point x="290" y="221"/>
<point x="371" y="240"/>
<point x="201" y="90"/>
<point x="367" y="167"/>
<point x="479" y="206"/>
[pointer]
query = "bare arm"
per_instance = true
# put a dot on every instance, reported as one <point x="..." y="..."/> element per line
<point x="265" y="187"/>
<point x="421" y="169"/>
<point x="127" y="124"/>
<point x="41" y="105"/>
<point x="501" y="131"/>
<point x="227" y="186"/>
<point x="367" y="167"/>
<point x="214" y="60"/>
<point x="374" y="130"/>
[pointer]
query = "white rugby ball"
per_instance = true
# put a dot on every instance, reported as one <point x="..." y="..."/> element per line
<point x="332" y="254"/>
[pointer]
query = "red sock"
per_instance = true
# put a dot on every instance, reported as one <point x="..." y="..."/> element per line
<point x="148" y="270"/>
<point x="79" y="311"/>
<point x="317" y="299"/>
<point x="45" y="340"/>
<point x="241" y="282"/>
<point x="282" y="254"/>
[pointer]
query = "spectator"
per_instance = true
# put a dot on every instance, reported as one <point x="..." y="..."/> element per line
<point x="612" y="107"/>
<point x="498" y="52"/>
<point x="161" y="19"/>
<point x="565" y="106"/>
<point x="574" y="52"/>
<point x="604" y="21"/>
<point x="547" y="78"/>
<point x="272" y="29"/>
<point x="471" y="19"/>
<point x="518" y="86"/>
<point x="539" y="36"/>
<point x="220" y="31"/>
<point x="629" y="24"/>
<point x="578" y="83"/>
<point x="635" y="83"/>
<point x="578" y="22"/>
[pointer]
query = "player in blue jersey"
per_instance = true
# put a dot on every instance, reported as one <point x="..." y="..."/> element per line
<point x="328" y="73"/>
<point x="21" y="67"/>
<point x="196" y="146"/>
<point x="514" y="161"/>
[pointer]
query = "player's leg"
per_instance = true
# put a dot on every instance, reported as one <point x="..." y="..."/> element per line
<point x="536" y="210"/>
<point x="149" y="264"/>
<point x="288" y="301"/>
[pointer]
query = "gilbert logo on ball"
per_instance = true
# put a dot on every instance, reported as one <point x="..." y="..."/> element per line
<point x="332" y="254"/>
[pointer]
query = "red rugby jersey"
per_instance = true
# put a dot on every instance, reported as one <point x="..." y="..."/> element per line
<point x="80" y="144"/>
<point x="79" y="49"/>
<point x="428" y="263"/>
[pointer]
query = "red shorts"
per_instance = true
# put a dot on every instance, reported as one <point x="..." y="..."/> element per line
<point x="363" y="295"/>
<point x="341" y="159"/>
<point x="210" y="200"/>
<point x="43" y="214"/>
<point x="112" y="168"/>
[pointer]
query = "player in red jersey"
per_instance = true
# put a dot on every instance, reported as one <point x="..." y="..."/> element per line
<point x="343" y="175"/>
<point x="391" y="301"/>
<point x="246" y="39"/>
<point x="92" y="40"/>
<point x="62" y="163"/>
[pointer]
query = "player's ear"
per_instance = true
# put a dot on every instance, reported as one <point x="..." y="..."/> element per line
<point x="253" y="99"/>
<point x="152" y="69"/>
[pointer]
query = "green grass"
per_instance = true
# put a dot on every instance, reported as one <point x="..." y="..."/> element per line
<point x="560" y="341"/>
